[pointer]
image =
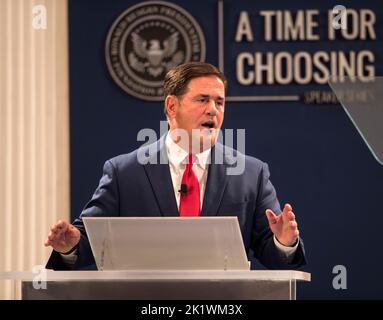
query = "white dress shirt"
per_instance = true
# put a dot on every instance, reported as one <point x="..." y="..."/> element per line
<point x="177" y="163"/>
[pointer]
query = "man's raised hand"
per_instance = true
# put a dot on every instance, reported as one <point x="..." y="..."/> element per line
<point x="284" y="226"/>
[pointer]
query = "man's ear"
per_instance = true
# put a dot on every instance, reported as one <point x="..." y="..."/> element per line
<point x="171" y="103"/>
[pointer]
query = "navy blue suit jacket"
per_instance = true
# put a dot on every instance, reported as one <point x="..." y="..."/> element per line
<point x="129" y="188"/>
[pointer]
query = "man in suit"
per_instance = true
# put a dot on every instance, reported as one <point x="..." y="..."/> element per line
<point x="194" y="106"/>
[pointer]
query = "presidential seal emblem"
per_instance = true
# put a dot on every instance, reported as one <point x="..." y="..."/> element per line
<point x="146" y="41"/>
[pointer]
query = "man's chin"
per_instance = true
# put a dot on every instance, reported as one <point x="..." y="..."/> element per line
<point x="201" y="139"/>
<point x="204" y="142"/>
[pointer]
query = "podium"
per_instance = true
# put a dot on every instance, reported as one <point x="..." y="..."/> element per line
<point x="158" y="285"/>
<point x="158" y="258"/>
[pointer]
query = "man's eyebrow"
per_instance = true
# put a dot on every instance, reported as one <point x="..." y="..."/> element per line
<point x="201" y="95"/>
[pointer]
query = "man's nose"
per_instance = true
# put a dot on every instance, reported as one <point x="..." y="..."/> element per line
<point x="211" y="109"/>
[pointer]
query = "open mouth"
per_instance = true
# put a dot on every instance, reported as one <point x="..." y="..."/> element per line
<point x="208" y="124"/>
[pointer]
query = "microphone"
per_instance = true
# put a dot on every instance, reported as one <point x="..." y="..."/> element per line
<point x="184" y="189"/>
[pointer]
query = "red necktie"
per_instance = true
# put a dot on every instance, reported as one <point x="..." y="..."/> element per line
<point x="190" y="200"/>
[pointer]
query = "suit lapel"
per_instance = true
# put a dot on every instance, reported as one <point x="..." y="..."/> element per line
<point x="160" y="179"/>
<point x="215" y="185"/>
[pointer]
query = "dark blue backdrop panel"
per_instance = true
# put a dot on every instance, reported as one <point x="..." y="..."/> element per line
<point x="318" y="161"/>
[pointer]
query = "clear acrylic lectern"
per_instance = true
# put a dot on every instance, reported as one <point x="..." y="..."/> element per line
<point x="166" y="243"/>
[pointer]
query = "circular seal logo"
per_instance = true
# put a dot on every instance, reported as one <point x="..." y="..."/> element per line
<point x="146" y="41"/>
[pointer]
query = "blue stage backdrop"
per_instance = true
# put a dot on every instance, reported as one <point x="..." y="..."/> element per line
<point x="277" y="56"/>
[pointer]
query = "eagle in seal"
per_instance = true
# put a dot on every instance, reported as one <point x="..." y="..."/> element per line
<point x="154" y="54"/>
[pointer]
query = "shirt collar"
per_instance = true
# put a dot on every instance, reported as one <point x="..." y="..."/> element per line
<point x="177" y="155"/>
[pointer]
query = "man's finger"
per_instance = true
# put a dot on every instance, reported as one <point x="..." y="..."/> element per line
<point x="55" y="235"/>
<point x="293" y="224"/>
<point x="61" y="227"/>
<point x="49" y="242"/>
<point x="55" y="231"/>
<point x="62" y="224"/>
<point x="284" y="213"/>
<point x="287" y="208"/>
<point x="290" y="216"/>
<point x="271" y="217"/>
<point x="55" y="228"/>
<point x="286" y="216"/>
